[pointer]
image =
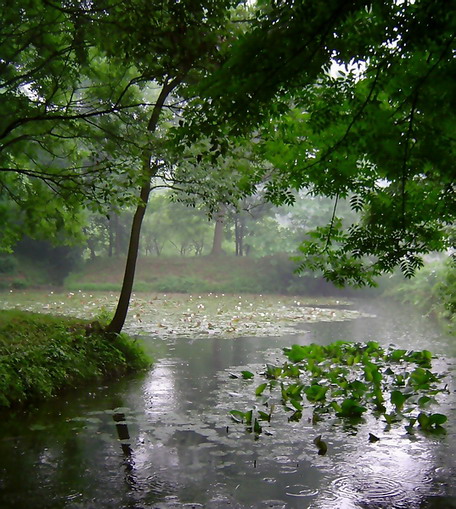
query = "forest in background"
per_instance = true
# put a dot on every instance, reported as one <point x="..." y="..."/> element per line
<point x="179" y="253"/>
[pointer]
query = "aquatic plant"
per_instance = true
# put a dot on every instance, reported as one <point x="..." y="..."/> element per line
<point x="345" y="380"/>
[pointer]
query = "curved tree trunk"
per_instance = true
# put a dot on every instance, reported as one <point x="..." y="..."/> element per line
<point x="149" y="171"/>
<point x="118" y="321"/>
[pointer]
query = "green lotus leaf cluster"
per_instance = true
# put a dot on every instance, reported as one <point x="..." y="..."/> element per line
<point x="345" y="380"/>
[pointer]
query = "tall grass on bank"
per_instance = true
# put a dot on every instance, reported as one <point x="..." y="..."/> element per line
<point x="42" y="355"/>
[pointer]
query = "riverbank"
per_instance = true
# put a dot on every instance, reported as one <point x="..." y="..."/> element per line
<point x="44" y="355"/>
<point x="274" y="274"/>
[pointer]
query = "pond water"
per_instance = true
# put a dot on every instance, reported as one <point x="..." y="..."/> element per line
<point x="164" y="439"/>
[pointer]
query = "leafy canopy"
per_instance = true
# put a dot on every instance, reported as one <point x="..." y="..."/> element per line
<point x="350" y="99"/>
<point x="79" y="87"/>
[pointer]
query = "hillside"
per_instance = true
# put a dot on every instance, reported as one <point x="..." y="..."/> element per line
<point x="229" y="274"/>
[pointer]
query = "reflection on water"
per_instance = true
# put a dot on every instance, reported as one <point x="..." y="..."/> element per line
<point x="164" y="440"/>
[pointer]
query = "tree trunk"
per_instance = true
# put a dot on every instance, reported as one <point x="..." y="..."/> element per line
<point x="149" y="171"/>
<point x="118" y="321"/>
<point x="111" y="237"/>
<point x="239" y="233"/>
<point x="218" y="233"/>
<point x="117" y="235"/>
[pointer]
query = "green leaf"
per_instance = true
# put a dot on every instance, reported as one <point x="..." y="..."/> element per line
<point x="397" y="355"/>
<point x="372" y="374"/>
<point x="248" y="417"/>
<point x="391" y="418"/>
<point x="421" y="378"/>
<point x="437" y="419"/>
<point x="351" y="408"/>
<point x="295" y="416"/>
<point x="398" y="399"/>
<point x="321" y="445"/>
<point x="264" y="416"/>
<point x="257" y="427"/>
<point x="237" y="415"/>
<point x="296" y="404"/>
<point x="297" y="353"/>
<point x="260" y="389"/>
<point x="336" y="407"/>
<point x="424" y="400"/>
<point x="316" y="392"/>
<point x="247" y="375"/>
<point x="273" y="372"/>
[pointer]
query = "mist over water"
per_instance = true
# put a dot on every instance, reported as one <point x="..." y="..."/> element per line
<point x="183" y="450"/>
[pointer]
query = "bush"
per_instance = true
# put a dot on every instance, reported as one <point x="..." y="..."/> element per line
<point x="19" y="284"/>
<point x="432" y="290"/>
<point x="182" y="284"/>
<point x="8" y="264"/>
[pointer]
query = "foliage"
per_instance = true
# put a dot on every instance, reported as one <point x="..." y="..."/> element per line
<point x="90" y="94"/>
<point x="8" y="264"/>
<point x="432" y="291"/>
<point x="38" y="263"/>
<point x="170" y="227"/>
<point x="349" y="100"/>
<point x="183" y="284"/>
<point x="40" y="356"/>
<point x="346" y="380"/>
<point x="64" y="104"/>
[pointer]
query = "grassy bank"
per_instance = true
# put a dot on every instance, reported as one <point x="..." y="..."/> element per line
<point x="42" y="355"/>
<point x="204" y="274"/>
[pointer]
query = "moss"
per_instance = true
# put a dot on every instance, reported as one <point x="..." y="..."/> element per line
<point x="41" y="356"/>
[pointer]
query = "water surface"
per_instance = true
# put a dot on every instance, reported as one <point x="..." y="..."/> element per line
<point x="183" y="450"/>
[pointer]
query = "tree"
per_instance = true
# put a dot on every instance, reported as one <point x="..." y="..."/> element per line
<point x="187" y="49"/>
<point x="84" y="88"/>
<point x="351" y="99"/>
<point x="168" y="223"/>
<point x="219" y="227"/>
<point x="244" y="214"/>
<point x="65" y="106"/>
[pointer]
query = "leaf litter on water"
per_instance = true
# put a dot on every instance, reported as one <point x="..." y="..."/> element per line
<point x="191" y="316"/>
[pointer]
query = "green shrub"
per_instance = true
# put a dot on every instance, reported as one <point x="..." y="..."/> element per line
<point x="8" y="264"/>
<point x="228" y="274"/>
<point x="73" y="283"/>
<point x="432" y="290"/>
<point x="19" y="284"/>
<point x="241" y="284"/>
<point x="182" y="284"/>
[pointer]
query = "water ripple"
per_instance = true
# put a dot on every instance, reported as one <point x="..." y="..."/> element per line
<point x="300" y="490"/>
<point x="373" y="489"/>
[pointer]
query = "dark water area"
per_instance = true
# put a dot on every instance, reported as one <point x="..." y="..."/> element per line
<point x="164" y="439"/>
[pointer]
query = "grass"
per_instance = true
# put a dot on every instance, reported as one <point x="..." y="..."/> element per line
<point x="205" y="274"/>
<point x="42" y="355"/>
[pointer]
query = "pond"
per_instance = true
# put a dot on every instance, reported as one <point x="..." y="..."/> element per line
<point x="164" y="439"/>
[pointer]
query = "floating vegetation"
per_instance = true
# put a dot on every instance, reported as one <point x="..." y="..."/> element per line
<point x="342" y="381"/>
<point x="191" y="315"/>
